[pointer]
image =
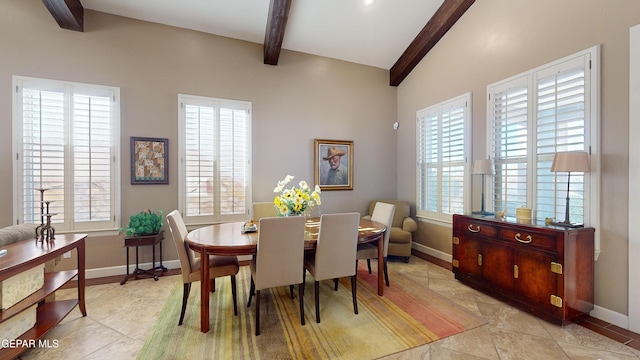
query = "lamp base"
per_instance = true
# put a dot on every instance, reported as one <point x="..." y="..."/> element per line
<point x="567" y="224"/>
<point x="483" y="213"/>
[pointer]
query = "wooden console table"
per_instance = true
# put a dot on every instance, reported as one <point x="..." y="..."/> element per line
<point x="145" y="240"/>
<point x="27" y="254"/>
<point x="545" y="270"/>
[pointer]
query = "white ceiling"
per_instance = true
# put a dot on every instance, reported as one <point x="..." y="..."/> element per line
<point x="375" y="34"/>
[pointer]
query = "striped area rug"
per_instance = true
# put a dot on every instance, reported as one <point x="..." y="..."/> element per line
<point x="405" y="317"/>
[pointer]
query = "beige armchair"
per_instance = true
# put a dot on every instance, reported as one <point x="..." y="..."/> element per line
<point x="401" y="230"/>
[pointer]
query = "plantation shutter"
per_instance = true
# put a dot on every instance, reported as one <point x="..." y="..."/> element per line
<point x="560" y="126"/>
<point x="215" y="159"/>
<point x="43" y="153"/>
<point x="453" y="159"/>
<point x="442" y="132"/>
<point x="92" y="131"/>
<point x="233" y="161"/>
<point x="199" y="160"/>
<point x="65" y="142"/>
<point x="428" y="163"/>
<point x="509" y="146"/>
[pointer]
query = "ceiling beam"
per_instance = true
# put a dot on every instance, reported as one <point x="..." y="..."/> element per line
<point x="276" y="23"/>
<point x="443" y="19"/>
<point x="68" y="13"/>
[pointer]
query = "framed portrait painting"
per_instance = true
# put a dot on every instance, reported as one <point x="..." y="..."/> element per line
<point x="149" y="160"/>
<point x="333" y="163"/>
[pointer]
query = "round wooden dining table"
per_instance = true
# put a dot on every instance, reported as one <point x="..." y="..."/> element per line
<point x="230" y="239"/>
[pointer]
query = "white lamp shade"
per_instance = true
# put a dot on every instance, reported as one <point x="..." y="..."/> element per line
<point x="570" y="161"/>
<point x="483" y="167"/>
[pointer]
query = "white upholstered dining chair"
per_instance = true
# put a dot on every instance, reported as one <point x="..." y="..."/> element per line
<point x="335" y="254"/>
<point x="219" y="266"/>
<point x="260" y="210"/>
<point x="382" y="213"/>
<point x="279" y="259"/>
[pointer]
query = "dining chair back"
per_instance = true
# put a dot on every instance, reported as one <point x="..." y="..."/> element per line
<point x="335" y="254"/>
<point x="382" y="213"/>
<point x="219" y="266"/>
<point x="261" y="210"/>
<point x="279" y="259"/>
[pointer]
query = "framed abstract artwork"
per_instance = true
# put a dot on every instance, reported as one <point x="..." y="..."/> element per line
<point x="333" y="164"/>
<point x="149" y="160"/>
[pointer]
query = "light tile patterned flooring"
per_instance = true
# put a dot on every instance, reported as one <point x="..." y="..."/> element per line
<point x="120" y="317"/>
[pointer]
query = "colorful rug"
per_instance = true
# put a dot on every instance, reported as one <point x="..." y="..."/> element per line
<point x="405" y="317"/>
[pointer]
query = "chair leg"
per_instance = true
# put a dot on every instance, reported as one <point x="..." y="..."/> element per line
<point x="257" y="312"/>
<point x="317" y="296"/>
<point x="353" y="293"/>
<point x="386" y="274"/>
<point x="301" y="297"/>
<point x="233" y="293"/>
<point x="406" y="259"/>
<point x="213" y="285"/>
<point x="369" y="265"/>
<point x="291" y="291"/>
<point x="185" y="296"/>
<point x="335" y="284"/>
<point x="252" y="288"/>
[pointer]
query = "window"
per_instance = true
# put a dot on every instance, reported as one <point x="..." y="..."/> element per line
<point x="214" y="159"/>
<point x="65" y="139"/>
<point x="532" y="116"/>
<point x="442" y="132"/>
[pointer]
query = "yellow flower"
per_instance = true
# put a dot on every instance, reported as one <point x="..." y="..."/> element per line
<point x="295" y="200"/>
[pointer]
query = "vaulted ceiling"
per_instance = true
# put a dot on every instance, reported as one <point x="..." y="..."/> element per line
<point x="390" y="34"/>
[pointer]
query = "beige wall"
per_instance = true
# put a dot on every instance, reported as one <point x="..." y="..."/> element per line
<point x="303" y="98"/>
<point x="499" y="38"/>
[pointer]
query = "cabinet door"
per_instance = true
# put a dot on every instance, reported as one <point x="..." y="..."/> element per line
<point x="497" y="265"/>
<point x="536" y="282"/>
<point x="466" y="252"/>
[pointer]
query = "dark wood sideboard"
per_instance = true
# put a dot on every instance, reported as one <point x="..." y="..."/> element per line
<point x="27" y="254"/>
<point x="544" y="270"/>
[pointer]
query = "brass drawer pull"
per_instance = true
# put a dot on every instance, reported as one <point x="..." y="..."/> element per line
<point x="476" y="230"/>
<point x="529" y="239"/>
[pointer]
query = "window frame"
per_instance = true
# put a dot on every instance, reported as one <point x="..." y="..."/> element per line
<point x="196" y="100"/>
<point x="69" y="89"/>
<point x="591" y="61"/>
<point x="465" y="100"/>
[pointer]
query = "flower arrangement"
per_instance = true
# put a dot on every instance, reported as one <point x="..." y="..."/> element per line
<point x="295" y="200"/>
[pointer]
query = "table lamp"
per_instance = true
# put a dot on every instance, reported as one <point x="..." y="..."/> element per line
<point x="568" y="161"/>
<point x="483" y="167"/>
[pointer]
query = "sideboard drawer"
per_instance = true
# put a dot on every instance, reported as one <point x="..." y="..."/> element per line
<point x="477" y="228"/>
<point x="529" y="238"/>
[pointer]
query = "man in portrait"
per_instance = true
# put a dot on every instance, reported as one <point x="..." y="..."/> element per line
<point x="338" y="174"/>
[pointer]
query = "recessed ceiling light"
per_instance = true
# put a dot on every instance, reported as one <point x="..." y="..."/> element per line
<point x="368" y="2"/>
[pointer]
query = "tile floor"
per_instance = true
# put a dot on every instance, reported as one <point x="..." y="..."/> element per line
<point x="119" y="318"/>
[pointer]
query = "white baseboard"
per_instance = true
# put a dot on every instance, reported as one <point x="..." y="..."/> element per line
<point x="610" y="316"/>
<point x="122" y="270"/>
<point x="598" y="312"/>
<point x="431" y="251"/>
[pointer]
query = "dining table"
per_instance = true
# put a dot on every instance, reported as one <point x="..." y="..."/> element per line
<point x="231" y="239"/>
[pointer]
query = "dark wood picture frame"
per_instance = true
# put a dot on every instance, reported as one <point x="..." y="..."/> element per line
<point x="332" y="158"/>
<point x="149" y="160"/>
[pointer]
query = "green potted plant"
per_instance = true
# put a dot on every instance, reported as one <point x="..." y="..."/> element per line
<point x="143" y="223"/>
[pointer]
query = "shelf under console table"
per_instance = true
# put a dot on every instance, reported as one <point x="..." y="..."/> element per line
<point x="27" y="254"/>
<point x="544" y="270"/>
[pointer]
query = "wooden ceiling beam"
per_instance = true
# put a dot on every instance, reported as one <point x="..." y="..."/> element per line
<point x="68" y="13"/>
<point x="276" y="23"/>
<point x="443" y="19"/>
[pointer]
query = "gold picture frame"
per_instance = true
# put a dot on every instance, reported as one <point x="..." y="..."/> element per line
<point x="149" y="160"/>
<point x="333" y="164"/>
